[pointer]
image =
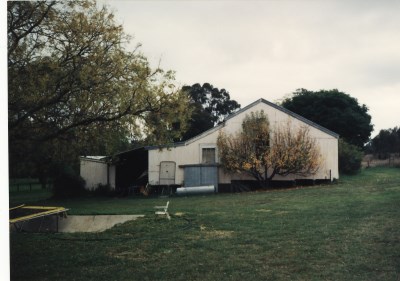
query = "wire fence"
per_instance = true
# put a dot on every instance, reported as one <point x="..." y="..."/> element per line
<point x="373" y="161"/>
<point x="23" y="185"/>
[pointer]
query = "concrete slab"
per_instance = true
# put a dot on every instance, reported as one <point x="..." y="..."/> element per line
<point x="95" y="223"/>
<point x="71" y="224"/>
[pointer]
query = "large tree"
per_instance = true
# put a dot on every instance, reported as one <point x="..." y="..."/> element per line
<point x="263" y="152"/>
<point x="72" y="80"/>
<point x="335" y="110"/>
<point x="210" y="106"/>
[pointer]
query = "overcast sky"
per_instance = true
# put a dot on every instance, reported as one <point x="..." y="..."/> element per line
<point x="268" y="49"/>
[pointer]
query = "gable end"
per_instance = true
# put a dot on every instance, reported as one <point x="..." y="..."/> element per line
<point x="287" y="111"/>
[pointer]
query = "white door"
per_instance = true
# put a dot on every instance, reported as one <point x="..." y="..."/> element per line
<point x="167" y="172"/>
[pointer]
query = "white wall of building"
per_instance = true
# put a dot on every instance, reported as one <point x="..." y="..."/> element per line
<point x="190" y="152"/>
<point x="94" y="172"/>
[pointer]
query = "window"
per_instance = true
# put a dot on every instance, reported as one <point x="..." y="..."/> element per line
<point x="208" y="155"/>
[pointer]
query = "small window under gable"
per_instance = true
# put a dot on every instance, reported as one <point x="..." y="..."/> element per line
<point x="208" y="155"/>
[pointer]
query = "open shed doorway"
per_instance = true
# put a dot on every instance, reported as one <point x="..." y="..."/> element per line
<point x="131" y="170"/>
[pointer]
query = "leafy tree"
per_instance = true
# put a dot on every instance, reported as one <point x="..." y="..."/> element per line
<point x="263" y="152"/>
<point x="73" y="84"/>
<point x="334" y="110"/>
<point x="386" y="142"/>
<point x="210" y="106"/>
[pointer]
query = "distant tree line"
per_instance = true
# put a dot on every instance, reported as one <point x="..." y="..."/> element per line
<point x="385" y="143"/>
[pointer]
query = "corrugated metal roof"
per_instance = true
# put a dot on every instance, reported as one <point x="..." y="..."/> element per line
<point x="94" y="157"/>
<point x="98" y="159"/>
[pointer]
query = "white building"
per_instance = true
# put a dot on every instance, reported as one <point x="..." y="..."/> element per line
<point x="195" y="162"/>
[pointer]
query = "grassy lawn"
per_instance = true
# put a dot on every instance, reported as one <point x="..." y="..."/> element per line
<point x="347" y="231"/>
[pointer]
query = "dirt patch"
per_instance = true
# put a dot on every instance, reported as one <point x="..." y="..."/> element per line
<point x="264" y="210"/>
<point x="138" y="255"/>
<point x="217" y="234"/>
<point x="280" y="213"/>
<point x="205" y="233"/>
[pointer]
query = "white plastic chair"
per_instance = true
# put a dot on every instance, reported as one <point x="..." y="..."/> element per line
<point x="164" y="210"/>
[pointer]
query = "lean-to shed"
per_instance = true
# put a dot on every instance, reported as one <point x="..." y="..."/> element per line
<point x="120" y="171"/>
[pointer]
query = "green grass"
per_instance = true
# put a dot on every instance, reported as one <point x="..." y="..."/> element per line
<point x="348" y="231"/>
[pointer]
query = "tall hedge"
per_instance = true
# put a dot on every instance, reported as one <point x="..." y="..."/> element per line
<point x="350" y="157"/>
<point x="68" y="184"/>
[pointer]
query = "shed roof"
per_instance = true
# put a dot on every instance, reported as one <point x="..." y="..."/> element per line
<point x="280" y="108"/>
<point x="94" y="158"/>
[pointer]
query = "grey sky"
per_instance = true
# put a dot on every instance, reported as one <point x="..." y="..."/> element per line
<point x="271" y="48"/>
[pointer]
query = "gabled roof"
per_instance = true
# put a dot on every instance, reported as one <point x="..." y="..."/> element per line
<point x="280" y="108"/>
<point x="295" y="115"/>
